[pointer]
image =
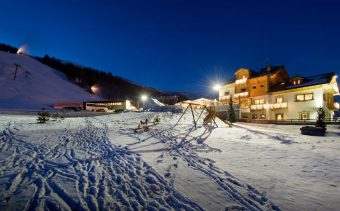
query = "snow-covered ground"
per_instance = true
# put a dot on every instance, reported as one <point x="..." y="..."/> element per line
<point x="101" y="162"/>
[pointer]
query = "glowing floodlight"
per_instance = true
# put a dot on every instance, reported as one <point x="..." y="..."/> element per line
<point x="217" y="87"/>
<point x="94" y="89"/>
<point x="144" y="98"/>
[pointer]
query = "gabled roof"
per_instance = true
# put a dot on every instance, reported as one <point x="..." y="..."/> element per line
<point x="266" y="70"/>
<point x="308" y="81"/>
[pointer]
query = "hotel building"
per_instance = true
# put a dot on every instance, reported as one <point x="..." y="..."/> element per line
<point x="270" y="94"/>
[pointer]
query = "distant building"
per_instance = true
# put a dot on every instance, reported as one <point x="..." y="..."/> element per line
<point x="196" y="104"/>
<point x="270" y="94"/>
<point x="109" y="105"/>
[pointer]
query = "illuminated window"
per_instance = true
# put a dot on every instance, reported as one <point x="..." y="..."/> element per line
<point x="259" y="101"/>
<point x="304" y="115"/>
<point x="262" y="116"/>
<point x="308" y="96"/>
<point x="279" y="99"/>
<point x="254" y="116"/>
<point x="294" y="82"/>
<point x="304" y="97"/>
<point x="299" y="81"/>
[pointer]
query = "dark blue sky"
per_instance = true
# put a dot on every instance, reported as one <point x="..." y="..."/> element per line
<point x="178" y="45"/>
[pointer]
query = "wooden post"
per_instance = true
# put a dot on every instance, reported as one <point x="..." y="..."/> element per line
<point x="16" y="70"/>
<point x="193" y="115"/>
<point x="201" y="113"/>
<point x="182" y="115"/>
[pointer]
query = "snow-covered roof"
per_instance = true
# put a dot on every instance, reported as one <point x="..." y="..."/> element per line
<point x="308" y="81"/>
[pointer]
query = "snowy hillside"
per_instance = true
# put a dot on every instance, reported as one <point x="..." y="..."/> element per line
<point x="36" y="85"/>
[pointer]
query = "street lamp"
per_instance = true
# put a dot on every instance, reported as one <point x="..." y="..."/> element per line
<point x="94" y="89"/>
<point x="143" y="99"/>
<point x="217" y="87"/>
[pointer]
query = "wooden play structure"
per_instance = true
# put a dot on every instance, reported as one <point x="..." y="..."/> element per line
<point x="208" y="119"/>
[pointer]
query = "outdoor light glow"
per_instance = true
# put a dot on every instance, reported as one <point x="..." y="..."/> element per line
<point x="144" y="97"/>
<point x="217" y="87"/>
<point x="22" y="49"/>
<point x="94" y="89"/>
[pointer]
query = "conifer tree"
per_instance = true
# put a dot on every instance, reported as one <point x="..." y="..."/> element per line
<point x="320" y="122"/>
<point x="231" y="112"/>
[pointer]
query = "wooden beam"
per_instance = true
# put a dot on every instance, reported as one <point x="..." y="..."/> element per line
<point x="193" y="115"/>
<point x="182" y="115"/>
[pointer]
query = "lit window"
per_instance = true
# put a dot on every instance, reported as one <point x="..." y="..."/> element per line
<point x="254" y="116"/>
<point x="262" y="116"/>
<point x="298" y="82"/>
<point x="279" y="99"/>
<point x="308" y="96"/>
<point x="259" y="101"/>
<point x="304" y="115"/>
<point x="294" y="82"/>
<point x="304" y="97"/>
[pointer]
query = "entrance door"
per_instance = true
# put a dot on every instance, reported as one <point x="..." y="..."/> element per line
<point x="279" y="117"/>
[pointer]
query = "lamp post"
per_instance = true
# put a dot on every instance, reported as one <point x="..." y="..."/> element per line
<point x="217" y="88"/>
<point x="143" y="99"/>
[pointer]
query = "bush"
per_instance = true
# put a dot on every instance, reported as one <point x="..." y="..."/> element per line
<point x="157" y="119"/>
<point x="43" y="117"/>
<point x="320" y="122"/>
<point x="231" y="112"/>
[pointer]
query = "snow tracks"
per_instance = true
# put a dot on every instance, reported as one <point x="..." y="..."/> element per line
<point x="79" y="169"/>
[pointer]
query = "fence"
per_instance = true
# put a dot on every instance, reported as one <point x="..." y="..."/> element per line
<point x="290" y="121"/>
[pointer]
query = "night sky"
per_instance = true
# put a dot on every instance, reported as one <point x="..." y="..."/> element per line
<point x="179" y="45"/>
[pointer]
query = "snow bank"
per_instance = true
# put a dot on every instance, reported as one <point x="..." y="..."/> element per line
<point x="156" y="106"/>
<point x="36" y="85"/>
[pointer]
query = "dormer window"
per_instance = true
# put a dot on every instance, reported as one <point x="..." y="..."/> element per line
<point x="297" y="80"/>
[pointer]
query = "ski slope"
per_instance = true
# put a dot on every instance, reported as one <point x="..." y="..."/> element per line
<point x="36" y="85"/>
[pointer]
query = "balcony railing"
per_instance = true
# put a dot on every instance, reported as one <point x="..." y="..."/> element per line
<point x="269" y="106"/>
<point x="241" y="81"/>
<point x="225" y="97"/>
<point x="241" y="94"/>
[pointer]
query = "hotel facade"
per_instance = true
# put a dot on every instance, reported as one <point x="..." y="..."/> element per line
<point x="270" y="94"/>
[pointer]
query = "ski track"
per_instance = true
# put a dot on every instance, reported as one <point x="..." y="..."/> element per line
<point x="80" y="169"/>
<point x="180" y="144"/>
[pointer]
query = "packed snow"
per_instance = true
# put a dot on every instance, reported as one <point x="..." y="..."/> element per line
<point x="103" y="162"/>
<point x="36" y="85"/>
<point x="157" y="106"/>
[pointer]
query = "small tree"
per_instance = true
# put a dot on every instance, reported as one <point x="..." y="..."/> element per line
<point x="157" y="119"/>
<point x="231" y="112"/>
<point x="43" y="117"/>
<point x="320" y="122"/>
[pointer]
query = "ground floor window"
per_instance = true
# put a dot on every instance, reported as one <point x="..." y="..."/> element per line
<point x="262" y="116"/>
<point x="279" y="116"/>
<point x="244" y="115"/>
<point x="254" y="116"/>
<point x="304" y="115"/>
